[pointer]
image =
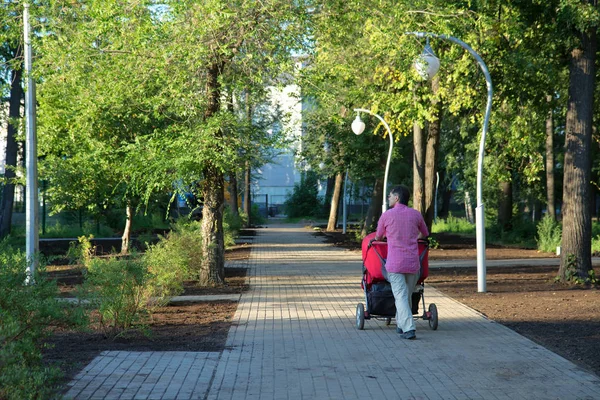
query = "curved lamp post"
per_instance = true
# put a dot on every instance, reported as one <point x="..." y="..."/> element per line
<point x="426" y="67"/>
<point x="358" y="126"/>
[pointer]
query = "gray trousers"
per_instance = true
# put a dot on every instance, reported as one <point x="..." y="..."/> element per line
<point x="402" y="287"/>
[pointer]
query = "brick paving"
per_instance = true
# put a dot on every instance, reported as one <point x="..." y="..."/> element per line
<point x="294" y="337"/>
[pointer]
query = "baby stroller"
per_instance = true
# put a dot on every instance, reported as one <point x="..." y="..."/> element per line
<point x="379" y="298"/>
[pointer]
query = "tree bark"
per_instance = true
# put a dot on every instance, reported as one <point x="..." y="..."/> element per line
<point x="505" y="207"/>
<point x="127" y="231"/>
<point x="577" y="224"/>
<point x="233" y="194"/>
<point x="374" y="209"/>
<point x="433" y="144"/>
<point x="212" y="269"/>
<point x="418" y="169"/>
<point x="247" y="200"/>
<point x="14" y="114"/>
<point x="247" y="171"/>
<point x="233" y="186"/>
<point x="328" y="194"/>
<point x="550" y="205"/>
<point x="335" y="201"/>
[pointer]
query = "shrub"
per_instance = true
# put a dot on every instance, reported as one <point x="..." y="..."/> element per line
<point x="549" y="234"/>
<point x="522" y="232"/>
<point x="118" y="289"/>
<point x="256" y="218"/>
<point x="231" y="226"/>
<point x="58" y="230"/>
<point x="175" y="258"/>
<point x="27" y="315"/>
<point x="304" y="201"/>
<point x="453" y="224"/>
<point x="82" y="251"/>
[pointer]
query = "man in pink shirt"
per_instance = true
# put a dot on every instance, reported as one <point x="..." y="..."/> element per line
<point x="402" y="225"/>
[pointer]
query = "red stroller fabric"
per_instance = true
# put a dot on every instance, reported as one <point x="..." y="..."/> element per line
<point x="374" y="256"/>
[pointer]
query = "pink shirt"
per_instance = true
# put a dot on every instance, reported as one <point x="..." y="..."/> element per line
<point x="401" y="226"/>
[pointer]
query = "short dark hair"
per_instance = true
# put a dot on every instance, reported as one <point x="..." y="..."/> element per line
<point x="403" y="194"/>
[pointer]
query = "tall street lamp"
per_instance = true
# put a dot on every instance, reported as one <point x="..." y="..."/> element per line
<point x="31" y="205"/>
<point x="426" y="67"/>
<point x="358" y="126"/>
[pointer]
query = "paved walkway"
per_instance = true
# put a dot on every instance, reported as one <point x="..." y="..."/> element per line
<point x="294" y="337"/>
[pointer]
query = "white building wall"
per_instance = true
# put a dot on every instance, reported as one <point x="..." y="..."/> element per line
<point x="277" y="178"/>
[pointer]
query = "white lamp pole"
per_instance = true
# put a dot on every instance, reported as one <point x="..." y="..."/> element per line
<point x="479" y="214"/>
<point x="31" y="205"/>
<point x="358" y="127"/>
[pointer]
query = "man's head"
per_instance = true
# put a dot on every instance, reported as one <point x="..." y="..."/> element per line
<point x="399" y="194"/>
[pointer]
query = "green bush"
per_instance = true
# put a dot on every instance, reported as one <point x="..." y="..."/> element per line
<point x="119" y="290"/>
<point x="82" y="251"/>
<point x="58" y="230"/>
<point x="549" y="234"/>
<point x="304" y="201"/>
<point x="522" y="233"/>
<point x="27" y="315"/>
<point x="256" y="218"/>
<point x="231" y="226"/>
<point x="175" y="258"/>
<point x="454" y="225"/>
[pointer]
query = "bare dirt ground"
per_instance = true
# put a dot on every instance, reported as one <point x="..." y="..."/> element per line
<point x="199" y="326"/>
<point x="562" y="318"/>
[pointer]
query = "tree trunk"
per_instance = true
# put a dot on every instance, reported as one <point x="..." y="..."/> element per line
<point x="233" y="194"/>
<point x="506" y="205"/>
<point x="248" y="171"/>
<point x="446" y="195"/>
<point x="577" y="224"/>
<point x="374" y="209"/>
<point x="212" y="269"/>
<point x="127" y="231"/>
<point x="418" y="169"/>
<point x="247" y="200"/>
<point x="335" y="201"/>
<point x="433" y="143"/>
<point x="233" y="187"/>
<point x="468" y="208"/>
<point x="328" y="193"/>
<point x="551" y="206"/>
<point x="14" y="114"/>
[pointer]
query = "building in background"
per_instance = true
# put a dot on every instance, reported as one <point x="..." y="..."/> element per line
<point x="272" y="182"/>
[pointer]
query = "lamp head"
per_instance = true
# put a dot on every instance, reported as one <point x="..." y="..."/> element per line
<point x="357" y="125"/>
<point x="427" y="64"/>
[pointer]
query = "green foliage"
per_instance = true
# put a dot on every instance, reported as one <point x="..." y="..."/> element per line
<point x="521" y="233"/>
<point x="304" y="201"/>
<point x="549" y="234"/>
<point x="27" y="315"/>
<point x="231" y="226"/>
<point x="175" y="258"/>
<point x="82" y="251"/>
<point x="256" y="217"/>
<point x="596" y="244"/>
<point x="119" y="290"/>
<point x="572" y="274"/>
<point x="454" y="225"/>
<point x="59" y="230"/>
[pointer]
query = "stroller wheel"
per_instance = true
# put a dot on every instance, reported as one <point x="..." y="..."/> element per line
<point x="388" y="321"/>
<point x="360" y="316"/>
<point x="433" y="316"/>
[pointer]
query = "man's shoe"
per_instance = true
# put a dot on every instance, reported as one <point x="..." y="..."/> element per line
<point x="398" y="330"/>
<point x="410" y="335"/>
